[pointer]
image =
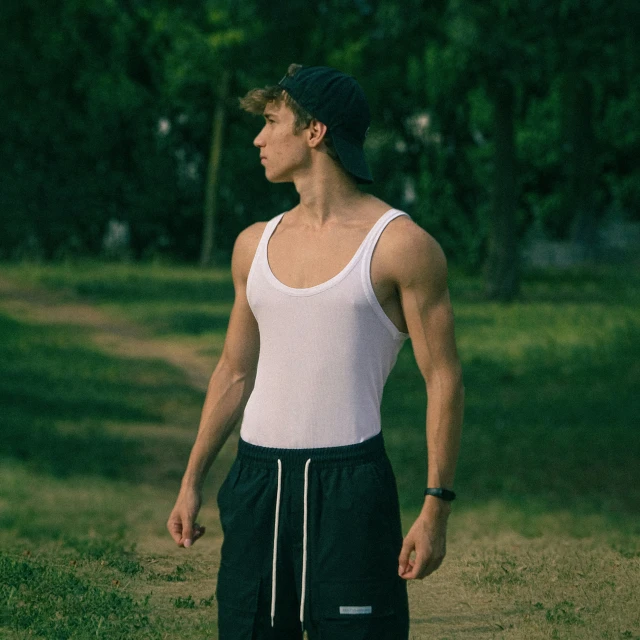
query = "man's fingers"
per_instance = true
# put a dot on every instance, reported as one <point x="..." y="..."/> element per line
<point x="187" y="534"/>
<point x="422" y="567"/>
<point x="417" y="567"/>
<point x="407" y="570"/>
<point x="175" y="529"/>
<point x="405" y="553"/>
<point x="183" y="532"/>
<point x="189" y="539"/>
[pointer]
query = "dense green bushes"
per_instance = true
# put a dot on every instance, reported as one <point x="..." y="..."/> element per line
<point x="109" y="108"/>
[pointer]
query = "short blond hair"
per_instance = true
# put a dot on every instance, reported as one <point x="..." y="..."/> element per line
<point x="256" y="100"/>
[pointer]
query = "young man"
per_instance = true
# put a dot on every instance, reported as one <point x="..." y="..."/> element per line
<point x="324" y="301"/>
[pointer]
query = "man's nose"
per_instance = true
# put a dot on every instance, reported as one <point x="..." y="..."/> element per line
<point x="258" y="141"/>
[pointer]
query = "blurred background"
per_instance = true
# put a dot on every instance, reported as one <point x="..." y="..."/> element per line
<point x="508" y="129"/>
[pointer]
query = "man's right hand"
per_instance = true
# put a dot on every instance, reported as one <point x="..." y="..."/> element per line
<point x="181" y="524"/>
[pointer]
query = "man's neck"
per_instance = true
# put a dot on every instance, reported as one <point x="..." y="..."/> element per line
<point x="327" y="199"/>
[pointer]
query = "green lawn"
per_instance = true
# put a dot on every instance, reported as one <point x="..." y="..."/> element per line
<point x="93" y="444"/>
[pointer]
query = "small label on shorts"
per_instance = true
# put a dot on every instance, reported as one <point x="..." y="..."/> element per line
<point x="350" y="611"/>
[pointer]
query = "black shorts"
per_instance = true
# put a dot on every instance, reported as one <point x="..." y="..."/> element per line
<point x="335" y="519"/>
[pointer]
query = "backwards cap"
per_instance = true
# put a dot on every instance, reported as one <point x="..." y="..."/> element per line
<point x="337" y="100"/>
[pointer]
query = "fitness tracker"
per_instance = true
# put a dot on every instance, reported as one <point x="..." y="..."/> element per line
<point x="443" y="494"/>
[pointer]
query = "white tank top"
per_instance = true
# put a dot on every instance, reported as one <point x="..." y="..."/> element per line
<point x="325" y="353"/>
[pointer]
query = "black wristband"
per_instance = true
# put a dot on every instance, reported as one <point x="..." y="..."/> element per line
<point x="443" y="494"/>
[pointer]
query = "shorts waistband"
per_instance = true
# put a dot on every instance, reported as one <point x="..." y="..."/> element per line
<point x="367" y="451"/>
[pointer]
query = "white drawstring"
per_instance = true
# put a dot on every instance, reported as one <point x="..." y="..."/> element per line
<point x="304" y="543"/>
<point x="275" y="545"/>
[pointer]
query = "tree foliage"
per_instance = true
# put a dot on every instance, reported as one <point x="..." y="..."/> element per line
<point x="110" y="106"/>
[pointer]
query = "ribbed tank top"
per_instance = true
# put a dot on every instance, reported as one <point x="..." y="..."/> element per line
<point x="325" y="353"/>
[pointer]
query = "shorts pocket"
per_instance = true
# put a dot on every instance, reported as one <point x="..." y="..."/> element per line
<point x="354" y="599"/>
<point x="359" y="610"/>
<point x="237" y="597"/>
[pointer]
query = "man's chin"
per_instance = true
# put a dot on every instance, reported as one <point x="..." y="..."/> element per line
<point x="277" y="178"/>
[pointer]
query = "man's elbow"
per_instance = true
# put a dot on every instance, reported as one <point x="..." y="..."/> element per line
<point x="446" y="381"/>
<point x="234" y="371"/>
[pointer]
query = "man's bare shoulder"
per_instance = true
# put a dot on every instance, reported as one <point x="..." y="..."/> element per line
<point x="245" y="248"/>
<point x="411" y="254"/>
<point x="252" y="233"/>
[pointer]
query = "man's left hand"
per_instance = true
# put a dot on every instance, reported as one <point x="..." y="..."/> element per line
<point x="427" y="538"/>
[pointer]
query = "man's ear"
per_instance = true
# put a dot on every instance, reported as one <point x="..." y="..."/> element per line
<point x="316" y="132"/>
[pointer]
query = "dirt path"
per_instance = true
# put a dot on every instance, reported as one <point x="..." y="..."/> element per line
<point x="117" y="336"/>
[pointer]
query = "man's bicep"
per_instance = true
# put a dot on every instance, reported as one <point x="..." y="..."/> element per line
<point x="427" y="308"/>
<point x="431" y="328"/>
<point x="242" y="342"/>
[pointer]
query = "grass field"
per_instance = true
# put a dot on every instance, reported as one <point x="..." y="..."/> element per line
<point x="102" y="376"/>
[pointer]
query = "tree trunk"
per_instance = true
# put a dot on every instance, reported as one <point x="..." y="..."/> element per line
<point x="502" y="269"/>
<point x="579" y="151"/>
<point x="208" y="234"/>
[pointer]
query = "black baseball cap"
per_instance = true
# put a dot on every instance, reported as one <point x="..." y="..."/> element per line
<point x="337" y="100"/>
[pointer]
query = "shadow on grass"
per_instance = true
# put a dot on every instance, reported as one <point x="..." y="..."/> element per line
<point x="192" y="323"/>
<point x="157" y="289"/>
<point x="142" y="285"/>
<point x="50" y="378"/>
<point x="554" y="430"/>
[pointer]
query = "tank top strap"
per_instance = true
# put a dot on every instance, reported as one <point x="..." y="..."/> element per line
<point x="266" y="234"/>
<point x="375" y="234"/>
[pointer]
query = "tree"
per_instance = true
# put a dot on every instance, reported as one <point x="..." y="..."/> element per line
<point x="498" y="42"/>
<point x="208" y="239"/>
<point x="591" y="43"/>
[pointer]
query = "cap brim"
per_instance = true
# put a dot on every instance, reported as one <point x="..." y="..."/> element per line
<point x="352" y="158"/>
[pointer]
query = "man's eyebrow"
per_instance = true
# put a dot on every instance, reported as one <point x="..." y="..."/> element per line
<point x="268" y="114"/>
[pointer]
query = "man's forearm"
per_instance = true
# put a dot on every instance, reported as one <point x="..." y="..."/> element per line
<point x="445" y="411"/>
<point x="224" y="404"/>
<point x="426" y="539"/>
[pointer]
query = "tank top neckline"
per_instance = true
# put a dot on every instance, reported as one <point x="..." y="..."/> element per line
<point x="305" y="291"/>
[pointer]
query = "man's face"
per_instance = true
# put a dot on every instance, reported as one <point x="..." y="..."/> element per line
<point x="283" y="153"/>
